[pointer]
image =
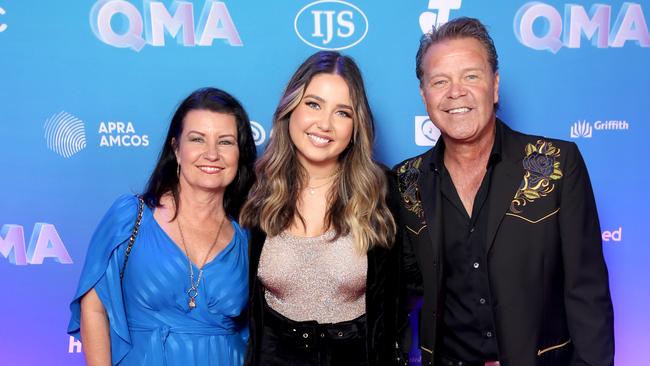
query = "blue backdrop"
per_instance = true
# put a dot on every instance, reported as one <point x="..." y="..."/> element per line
<point x="88" y="87"/>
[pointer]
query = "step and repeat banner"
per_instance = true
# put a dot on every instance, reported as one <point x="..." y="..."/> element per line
<point x="88" y="89"/>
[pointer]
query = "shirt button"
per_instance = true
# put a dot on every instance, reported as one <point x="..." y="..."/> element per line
<point x="305" y="335"/>
<point x="482" y="301"/>
<point x="322" y="335"/>
<point x="475" y="264"/>
<point x="488" y="334"/>
<point x="340" y="334"/>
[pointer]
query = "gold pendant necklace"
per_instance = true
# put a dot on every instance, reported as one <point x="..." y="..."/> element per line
<point x="193" y="291"/>
<point x="311" y="189"/>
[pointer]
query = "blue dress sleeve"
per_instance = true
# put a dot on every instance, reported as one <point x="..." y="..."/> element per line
<point x="101" y="271"/>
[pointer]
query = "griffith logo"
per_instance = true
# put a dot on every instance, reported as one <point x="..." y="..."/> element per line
<point x="581" y="129"/>
<point x="426" y="133"/>
<point x="331" y="25"/>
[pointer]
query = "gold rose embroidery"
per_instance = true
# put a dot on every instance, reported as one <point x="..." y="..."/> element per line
<point x="542" y="168"/>
<point x="408" y="175"/>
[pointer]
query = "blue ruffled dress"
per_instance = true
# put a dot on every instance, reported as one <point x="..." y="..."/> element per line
<point x="150" y="321"/>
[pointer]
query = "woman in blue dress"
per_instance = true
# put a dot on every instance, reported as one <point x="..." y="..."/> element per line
<point x="177" y="295"/>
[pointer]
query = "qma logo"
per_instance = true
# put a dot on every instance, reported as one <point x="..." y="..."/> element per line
<point x="120" y="24"/>
<point x="65" y="134"/>
<point x="584" y="129"/>
<point x="259" y="134"/>
<point x="331" y="25"/>
<point x="120" y="134"/>
<point x="613" y="235"/>
<point x="541" y="27"/>
<point x="3" y="26"/>
<point x="429" y="19"/>
<point x="45" y="242"/>
<point x="426" y="133"/>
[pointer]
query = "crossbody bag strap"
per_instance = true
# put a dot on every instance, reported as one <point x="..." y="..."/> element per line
<point x="134" y="234"/>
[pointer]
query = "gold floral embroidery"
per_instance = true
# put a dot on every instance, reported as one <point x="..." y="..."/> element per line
<point x="542" y="168"/>
<point x="408" y="174"/>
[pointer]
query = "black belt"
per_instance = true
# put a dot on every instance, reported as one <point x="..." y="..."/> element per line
<point x="309" y="332"/>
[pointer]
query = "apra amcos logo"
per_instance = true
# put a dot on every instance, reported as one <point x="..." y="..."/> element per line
<point x="120" y="134"/>
<point x="65" y="134"/>
<point x="331" y="25"/>
<point x="440" y="16"/>
<point x="541" y="27"/>
<point x="120" y="24"/>
<point x="426" y="133"/>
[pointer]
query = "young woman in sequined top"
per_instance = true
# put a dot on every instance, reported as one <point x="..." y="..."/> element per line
<point x="322" y="272"/>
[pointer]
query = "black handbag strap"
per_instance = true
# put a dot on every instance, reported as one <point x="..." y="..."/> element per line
<point x="134" y="234"/>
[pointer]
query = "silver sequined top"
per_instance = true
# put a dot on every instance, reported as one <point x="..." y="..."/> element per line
<point x="314" y="278"/>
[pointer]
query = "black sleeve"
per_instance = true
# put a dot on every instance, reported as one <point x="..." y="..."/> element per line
<point x="587" y="297"/>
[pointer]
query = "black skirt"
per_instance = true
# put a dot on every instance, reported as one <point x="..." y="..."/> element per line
<point x="290" y="343"/>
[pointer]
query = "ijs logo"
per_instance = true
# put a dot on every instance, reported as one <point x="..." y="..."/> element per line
<point x="65" y="134"/>
<point x="259" y="134"/>
<point x="429" y="19"/>
<point x="540" y="26"/>
<point x="426" y="133"/>
<point x="331" y="25"/>
<point x="120" y="24"/>
<point x="584" y="129"/>
<point x="3" y="26"/>
<point x="44" y="243"/>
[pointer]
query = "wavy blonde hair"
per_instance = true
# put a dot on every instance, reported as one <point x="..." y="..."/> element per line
<point x="357" y="203"/>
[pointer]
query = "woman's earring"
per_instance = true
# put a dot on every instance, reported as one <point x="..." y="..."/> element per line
<point x="178" y="170"/>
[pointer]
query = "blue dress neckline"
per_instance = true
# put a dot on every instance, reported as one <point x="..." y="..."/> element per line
<point x="150" y="216"/>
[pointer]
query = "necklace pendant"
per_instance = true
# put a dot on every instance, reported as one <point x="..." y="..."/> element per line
<point x="311" y="191"/>
<point x="192" y="304"/>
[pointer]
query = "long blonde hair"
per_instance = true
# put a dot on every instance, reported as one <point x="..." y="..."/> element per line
<point x="357" y="202"/>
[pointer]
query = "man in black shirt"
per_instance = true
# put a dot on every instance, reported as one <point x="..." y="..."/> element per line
<point x="500" y="228"/>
